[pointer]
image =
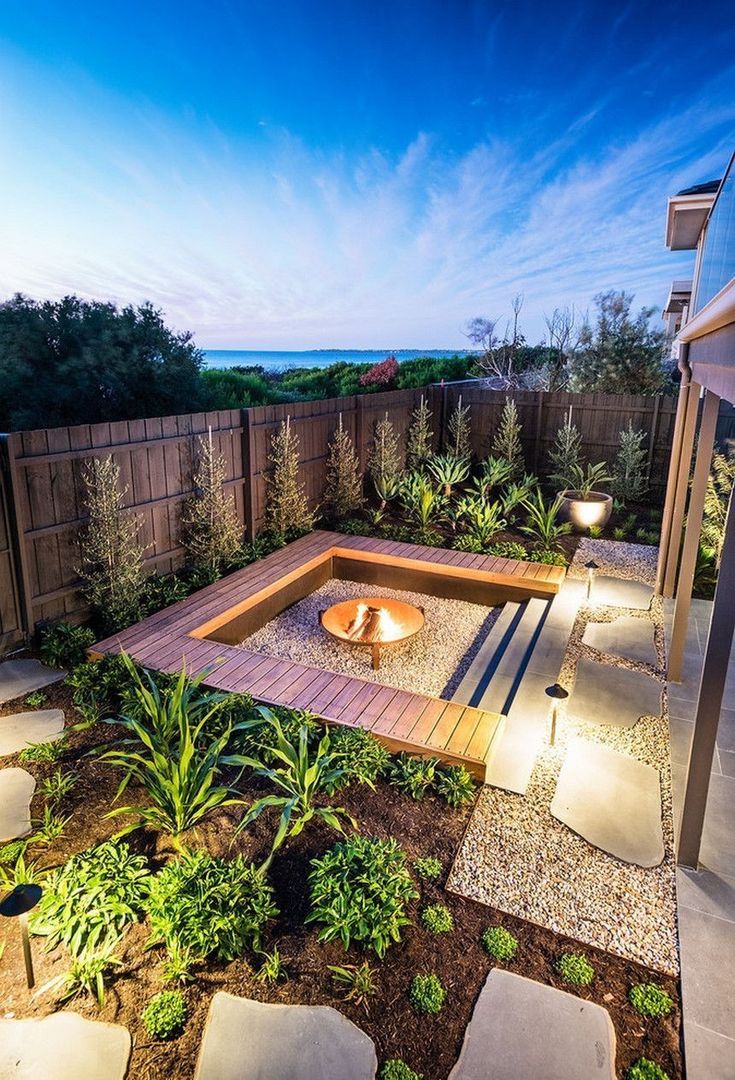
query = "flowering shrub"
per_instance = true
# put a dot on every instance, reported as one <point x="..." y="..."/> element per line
<point x="383" y="374"/>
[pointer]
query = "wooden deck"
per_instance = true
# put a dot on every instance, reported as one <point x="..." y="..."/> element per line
<point x="401" y="719"/>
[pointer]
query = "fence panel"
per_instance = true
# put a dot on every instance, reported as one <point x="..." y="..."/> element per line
<point x="11" y="615"/>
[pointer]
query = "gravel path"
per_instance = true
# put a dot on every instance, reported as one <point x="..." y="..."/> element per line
<point x="433" y="662"/>
<point x="515" y="856"/>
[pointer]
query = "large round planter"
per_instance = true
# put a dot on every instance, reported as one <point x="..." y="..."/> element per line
<point x="595" y="510"/>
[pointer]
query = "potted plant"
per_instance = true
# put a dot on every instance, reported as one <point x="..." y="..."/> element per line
<point x="582" y="504"/>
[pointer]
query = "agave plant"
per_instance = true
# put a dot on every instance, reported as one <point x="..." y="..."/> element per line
<point x="301" y="775"/>
<point x="387" y="487"/>
<point x="423" y="503"/>
<point x="585" y="481"/>
<point x="541" y="524"/>
<point x="448" y="470"/>
<point x="494" y="472"/>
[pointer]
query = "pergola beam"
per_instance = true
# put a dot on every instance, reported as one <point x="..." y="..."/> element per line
<point x="705" y="447"/>
<point x="681" y="408"/>
<point x="681" y="490"/>
<point x="709" y="701"/>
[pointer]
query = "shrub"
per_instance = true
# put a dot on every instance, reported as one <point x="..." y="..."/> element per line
<point x="271" y="967"/>
<point x="382" y="375"/>
<point x="360" y="756"/>
<point x="359" y="891"/>
<point x="566" y="453"/>
<point x="629" y="470"/>
<point x="35" y="699"/>
<point x="88" y="902"/>
<point x="459" y="431"/>
<point x="411" y="774"/>
<point x="420" y="437"/>
<point x="500" y="943"/>
<point x="86" y="973"/>
<point x="428" y="868"/>
<point x="426" y="994"/>
<point x="643" y="1069"/>
<point x="343" y="487"/>
<point x="455" y="784"/>
<point x="49" y="827"/>
<point x="384" y="458"/>
<point x="594" y="531"/>
<point x="508" y="549"/>
<point x="650" y="1000"/>
<point x="437" y="918"/>
<point x="395" y="1069"/>
<point x="358" y="981"/>
<point x="165" y="1014"/>
<point x="43" y="753"/>
<point x="65" y="645"/>
<point x="575" y="969"/>
<point x="209" y="906"/>
<point x="57" y="786"/>
<point x="286" y="506"/>
<point x="211" y="530"/>
<point x="507" y="440"/>
<point x="550" y="558"/>
<point x="542" y="525"/>
<point x="97" y="686"/>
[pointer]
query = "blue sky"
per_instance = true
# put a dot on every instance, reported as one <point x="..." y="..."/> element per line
<point x="353" y="174"/>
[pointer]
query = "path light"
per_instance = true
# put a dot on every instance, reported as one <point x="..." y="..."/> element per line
<point x="557" y="693"/>
<point x="591" y="567"/>
<point x="17" y="904"/>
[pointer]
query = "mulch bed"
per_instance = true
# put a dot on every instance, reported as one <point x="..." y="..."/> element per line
<point x="430" y="1045"/>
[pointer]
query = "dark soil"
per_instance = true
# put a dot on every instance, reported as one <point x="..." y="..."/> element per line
<point x="429" y="1044"/>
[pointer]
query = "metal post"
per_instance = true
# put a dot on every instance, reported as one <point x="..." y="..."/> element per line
<point x="709" y="701"/>
<point x="703" y="459"/>
<point x="27" y="957"/>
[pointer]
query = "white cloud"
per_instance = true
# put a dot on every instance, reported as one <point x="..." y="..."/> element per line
<point x="274" y="244"/>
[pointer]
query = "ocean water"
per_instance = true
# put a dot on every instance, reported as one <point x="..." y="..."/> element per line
<point x="279" y="361"/>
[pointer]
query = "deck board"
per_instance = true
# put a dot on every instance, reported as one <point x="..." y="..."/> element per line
<point x="401" y="718"/>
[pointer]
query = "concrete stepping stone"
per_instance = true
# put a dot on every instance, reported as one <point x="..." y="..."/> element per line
<point x="626" y="636"/>
<point x="523" y="1029"/>
<point x="63" y="1046"/>
<point x="619" y="592"/>
<point x="23" y="728"/>
<point x="18" y="677"/>
<point x="612" y="800"/>
<point x="16" y="791"/>
<point x="617" y="696"/>
<point x="249" y="1040"/>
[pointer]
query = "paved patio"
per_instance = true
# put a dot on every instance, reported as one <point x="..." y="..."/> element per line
<point x="706" y="899"/>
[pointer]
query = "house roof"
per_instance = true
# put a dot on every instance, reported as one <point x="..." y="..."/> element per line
<point x="708" y="188"/>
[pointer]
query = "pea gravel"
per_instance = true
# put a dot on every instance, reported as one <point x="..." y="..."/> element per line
<point x="516" y="857"/>
<point x="433" y="662"/>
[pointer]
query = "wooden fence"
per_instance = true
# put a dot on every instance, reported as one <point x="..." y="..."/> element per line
<point x="42" y="491"/>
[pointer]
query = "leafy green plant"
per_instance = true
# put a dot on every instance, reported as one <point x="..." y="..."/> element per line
<point x="428" y="868"/>
<point x="301" y="776"/>
<point x="542" y="524"/>
<point x="594" y="531"/>
<point x="178" y="965"/>
<point x="357" y="980"/>
<point x="65" y="645"/>
<point x="716" y="501"/>
<point x="35" y="700"/>
<point x="705" y="572"/>
<point x="359" y="891"/>
<point x="396" y="1069"/>
<point x="500" y="943"/>
<point x="209" y="906"/>
<point x="494" y="472"/>
<point x="448" y="471"/>
<point x="585" y="481"/>
<point x="43" y="753"/>
<point x="57" y="786"/>
<point x="386" y="488"/>
<point x="481" y="521"/>
<point x="650" y="1000"/>
<point x="645" y="1069"/>
<point x="619" y="532"/>
<point x="455" y="784"/>
<point x="86" y="973"/>
<point x="575" y="969"/>
<point x="459" y="430"/>
<point x="514" y="495"/>
<point x="359" y="756"/>
<point x="412" y="775"/>
<point x="550" y="558"/>
<point x="19" y="872"/>
<point x="426" y="994"/>
<point x="420" y="437"/>
<point x="507" y="439"/>
<point x="165" y="1014"/>
<point x="437" y="918"/>
<point x="10" y="852"/>
<point x="49" y="827"/>
<point x="88" y="902"/>
<point x="566" y="453"/>
<point x="629" y="470"/>
<point x="271" y="967"/>
<point x="422" y="502"/>
<point x="508" y="549"/>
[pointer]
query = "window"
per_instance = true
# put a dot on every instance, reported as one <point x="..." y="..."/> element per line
<point x="717" y="262"/>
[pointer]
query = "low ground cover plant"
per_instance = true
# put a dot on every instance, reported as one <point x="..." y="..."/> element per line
<point x="426" y="994"/>
<point x="359" y="891"/>
<point x="412" y="775"/>
<point x="644" y="1069"/>
<point x="165" y="1014"/>
<point x="650" y="1000"/>
<point x="358" y="754"/>
<point x="208" y="906"/>
<point x="36" y="699"/>
<point x="455" y="784"/>
<point x="272" y="967"/>
<point x="356" y="980"/>
<point x="43" y="753"/>
<point x="437" y="918"/>
<point x="428" y="868"/>
<point x="57" y="786"/>
<point x="575" y="969"/>
<point x="500" y="943"/>
<point x="65" y="645"/>
<point x="395" y="1069"/>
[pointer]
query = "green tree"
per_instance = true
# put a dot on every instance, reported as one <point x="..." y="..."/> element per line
<point x="566" y="453"/>
<point x="212" y="532"/>
<point x="74" y="361"/>
<point x="459" y="431"/>
<point x="384" y="459"/>
<point x="620" y="353"/>
<point x="419" y="439"/>
<point x="343" y="487"/>
<point x="286" y="506"/>
<point x="507" y="440"/>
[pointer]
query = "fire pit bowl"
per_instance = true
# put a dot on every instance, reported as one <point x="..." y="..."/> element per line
<point x="372" y="621"/>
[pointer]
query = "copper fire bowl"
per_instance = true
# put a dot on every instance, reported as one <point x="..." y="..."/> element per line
<point x="374" y="621"/>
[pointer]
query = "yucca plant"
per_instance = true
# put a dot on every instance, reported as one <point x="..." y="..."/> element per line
<point x="516" y="493"/>
<point x="482" y="520"/>
<point x="494" y="472"/>
<point x="301" y="775"/>
<point x="541" y="524"/>
<point x="585" y="481"/>
<point x="423" y="504"/>
<point x="159" y="703"/>
<point x="448" y="471"/>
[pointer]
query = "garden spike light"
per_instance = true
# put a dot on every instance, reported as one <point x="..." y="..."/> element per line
<point x="591" y="566"/>
<point x="557" y="693"/>
<point x="17" y="904"/>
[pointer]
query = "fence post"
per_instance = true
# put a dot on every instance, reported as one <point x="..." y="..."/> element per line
<point x="18" y="540"/>
<point x="537" y="436"/>
<point x="248" y="460"/>
<point x="360" y="430"/>
<point x="654" y="434"/>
